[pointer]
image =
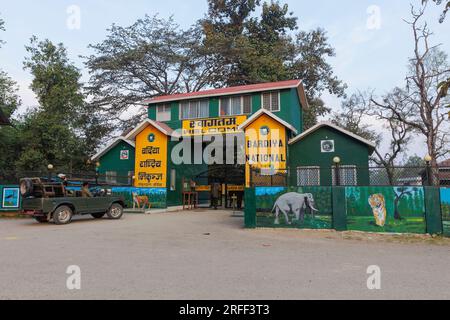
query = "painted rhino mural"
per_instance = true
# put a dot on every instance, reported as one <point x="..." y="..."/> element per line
<point x="295" y="203"/>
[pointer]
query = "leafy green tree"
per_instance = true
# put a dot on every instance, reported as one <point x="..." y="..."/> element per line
<point x="151" y="57"/>
<point x="63" y="130"/>
<point x="9" y="102"/>
<point x="262" y="49"/>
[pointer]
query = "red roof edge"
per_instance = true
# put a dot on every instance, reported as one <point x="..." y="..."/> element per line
<point x="226" y="91"/>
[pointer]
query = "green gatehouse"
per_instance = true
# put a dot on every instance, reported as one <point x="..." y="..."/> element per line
<point x="226" y="135"/>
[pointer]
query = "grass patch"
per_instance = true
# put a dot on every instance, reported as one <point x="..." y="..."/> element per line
<point x="266" y="220"/>
<point x="406" y="225"/>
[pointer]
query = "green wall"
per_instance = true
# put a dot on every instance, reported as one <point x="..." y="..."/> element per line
<point x="290" y="109"/>
<point x="188" y="171"/>
<point x="110" y="161"/>
<point x="307" y="152"/>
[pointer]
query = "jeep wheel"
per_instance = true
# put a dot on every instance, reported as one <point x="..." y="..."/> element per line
<point x="62" y="215"/>
<point x="115" y="212"/>
<point x="98" y="215"/>
<point x="41" y="219"/>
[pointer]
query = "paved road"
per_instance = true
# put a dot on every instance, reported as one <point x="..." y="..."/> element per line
<point x="207" y="255"/>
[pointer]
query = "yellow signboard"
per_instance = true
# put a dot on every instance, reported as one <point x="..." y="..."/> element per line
<point x="232" y="188"/>
<point x="203" y="188"/>
<point x="265" y="147"/>
<point x="151" y="159"/>
<point x="211" y="126"/>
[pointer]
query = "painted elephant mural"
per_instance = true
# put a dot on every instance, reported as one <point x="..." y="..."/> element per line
<point x="295" y="203"/>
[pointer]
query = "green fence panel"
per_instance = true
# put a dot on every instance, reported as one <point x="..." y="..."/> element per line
<point x="339" y="209"/>
<point x="433" y="210"/>
<point x="250" y="208"/>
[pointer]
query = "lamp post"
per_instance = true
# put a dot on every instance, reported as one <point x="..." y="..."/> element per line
<point x="337" y="178"/>
<point x="50" y="169"/>
<point x="430" y="178"/>
<point x="97" y="168"/>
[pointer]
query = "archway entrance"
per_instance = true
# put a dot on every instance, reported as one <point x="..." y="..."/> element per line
<point x="231" y="179"/>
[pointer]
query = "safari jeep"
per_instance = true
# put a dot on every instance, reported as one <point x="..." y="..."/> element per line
<point x="51" y="201"/>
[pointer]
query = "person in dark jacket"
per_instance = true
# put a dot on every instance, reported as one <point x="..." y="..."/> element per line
<point x="215" y="193"/>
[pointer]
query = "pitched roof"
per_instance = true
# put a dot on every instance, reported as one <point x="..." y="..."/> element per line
<point x="110" y="146"/>
<point x="164" y="128"/>
<point x="235" y="90"/>
<point x="270" y="114"/>
<point x="332" y="125"/>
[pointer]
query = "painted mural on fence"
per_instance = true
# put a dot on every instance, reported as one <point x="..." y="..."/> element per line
<point x="445" y="208"/>
<point x="10" y="198"/>
<point x="156" y="196"/>
<point x="386" y="209"/>
<point x="294" y="207"/>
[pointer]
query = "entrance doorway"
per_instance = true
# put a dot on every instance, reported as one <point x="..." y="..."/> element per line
<point x="231" y="179"/>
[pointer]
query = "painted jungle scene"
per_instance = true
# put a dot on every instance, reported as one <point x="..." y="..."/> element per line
<point x="445" y="206"/>
<point x="294" y="207"/>
<point x="156" y="197"/>
<point x="386" y="209"/>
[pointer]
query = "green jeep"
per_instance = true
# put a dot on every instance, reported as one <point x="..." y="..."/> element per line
<point x="47" y="201"/>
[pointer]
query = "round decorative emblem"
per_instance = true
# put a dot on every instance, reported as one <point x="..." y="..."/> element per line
<point x="151" y="137"/>
<point x="265" y="130"/>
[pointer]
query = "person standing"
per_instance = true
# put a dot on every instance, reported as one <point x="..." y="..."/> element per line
<point x="215" y="193"/>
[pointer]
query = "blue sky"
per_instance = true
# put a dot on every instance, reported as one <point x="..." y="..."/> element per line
<point x="366" y="58"/>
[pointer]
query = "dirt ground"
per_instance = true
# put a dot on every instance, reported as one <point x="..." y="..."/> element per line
<point x="209" y="255"/>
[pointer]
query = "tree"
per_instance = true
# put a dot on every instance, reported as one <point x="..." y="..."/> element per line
<point x="446" y="4"/>
<point x="9" y="102"/>
<point x="355" y="111"/>
<point x="62" y="130"/>
<point x="252" y="50"/>
<point x="152" y="57"/>
<point x="351" y="117"/>
<point x="2" y="28"/>
<point x="420" y="105"/>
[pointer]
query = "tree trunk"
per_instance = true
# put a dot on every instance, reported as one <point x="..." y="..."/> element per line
<point x="397" y="215"/>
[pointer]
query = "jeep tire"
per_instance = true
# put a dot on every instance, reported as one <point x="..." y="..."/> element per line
<point x="115" y="211"/>
<point x="62" y="215"/>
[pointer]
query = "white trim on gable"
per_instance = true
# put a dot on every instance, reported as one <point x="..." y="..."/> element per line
<point x="259" y="113"/>
<point x="132" y="135"/>
<point x="110" y="146"/>
<point x="331" y="125"/>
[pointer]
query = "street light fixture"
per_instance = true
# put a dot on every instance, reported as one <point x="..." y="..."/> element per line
<point x="337" y="178"/>
<point x="430" y="177"/>
<point x="50" y="168"/>
<point x="97" y="167"/>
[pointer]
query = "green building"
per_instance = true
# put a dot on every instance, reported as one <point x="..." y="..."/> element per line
<point x="226" y="135"/>
<point x="116" y="162"/>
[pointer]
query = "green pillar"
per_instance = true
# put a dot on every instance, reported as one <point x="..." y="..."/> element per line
<point x="339" y="209"/>
<point x="250" y="208"/>
<point x="433" y="214"/>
